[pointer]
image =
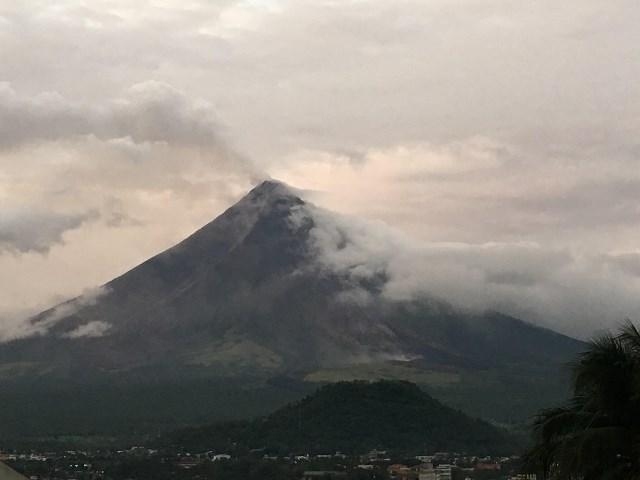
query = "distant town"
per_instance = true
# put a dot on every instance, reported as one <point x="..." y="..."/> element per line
<point x="142" y="463"/>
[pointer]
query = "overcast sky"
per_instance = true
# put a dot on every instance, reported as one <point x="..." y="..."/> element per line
<point x="501" y="137"/>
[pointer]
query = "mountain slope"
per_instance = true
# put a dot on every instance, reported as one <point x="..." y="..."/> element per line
<point x="356" y="417"/>
<point x="238" y="285"/>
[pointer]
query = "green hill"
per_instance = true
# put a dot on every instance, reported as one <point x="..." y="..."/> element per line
<point x="356" y="417"/>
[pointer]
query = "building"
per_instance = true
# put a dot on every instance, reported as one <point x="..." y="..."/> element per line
<point x="426" y="471"/>
<point x="443" y="472"/>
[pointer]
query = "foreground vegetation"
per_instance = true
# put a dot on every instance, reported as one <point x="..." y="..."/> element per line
<point x="596" y="434"/>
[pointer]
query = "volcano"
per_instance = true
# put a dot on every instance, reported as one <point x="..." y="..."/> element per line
<point x="245" y="297"/>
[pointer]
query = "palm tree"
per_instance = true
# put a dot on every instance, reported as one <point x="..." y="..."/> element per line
<point x="596" y="434"/>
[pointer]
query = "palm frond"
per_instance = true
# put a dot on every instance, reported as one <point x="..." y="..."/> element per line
<point x="630" y="336"/>
<point x="595" y="435"/>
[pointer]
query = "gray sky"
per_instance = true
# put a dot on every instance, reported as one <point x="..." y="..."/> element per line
<point x="500" y="137"/>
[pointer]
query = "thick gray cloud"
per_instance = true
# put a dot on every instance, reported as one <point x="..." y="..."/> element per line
<point x="505" y="130"/>
<point x="149" y="112"/>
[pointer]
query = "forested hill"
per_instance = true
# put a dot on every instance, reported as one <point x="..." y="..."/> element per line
<point x="355" y="417"/>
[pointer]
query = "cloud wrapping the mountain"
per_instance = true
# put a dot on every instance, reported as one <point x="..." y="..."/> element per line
<point x="552" y="287"/>
<point x="22" y="325"/>
<point x="89" y="297"/>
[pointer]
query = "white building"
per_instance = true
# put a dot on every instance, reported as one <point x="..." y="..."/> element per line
<point x="443" y="472"/>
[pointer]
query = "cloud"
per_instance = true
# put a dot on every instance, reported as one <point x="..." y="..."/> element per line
<point x="481" y="190"/>
<point x="89" y="297"/>
<point x="348" y="75"/>
<point x="28" y="230"/>
<point x="89" y="330"/>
